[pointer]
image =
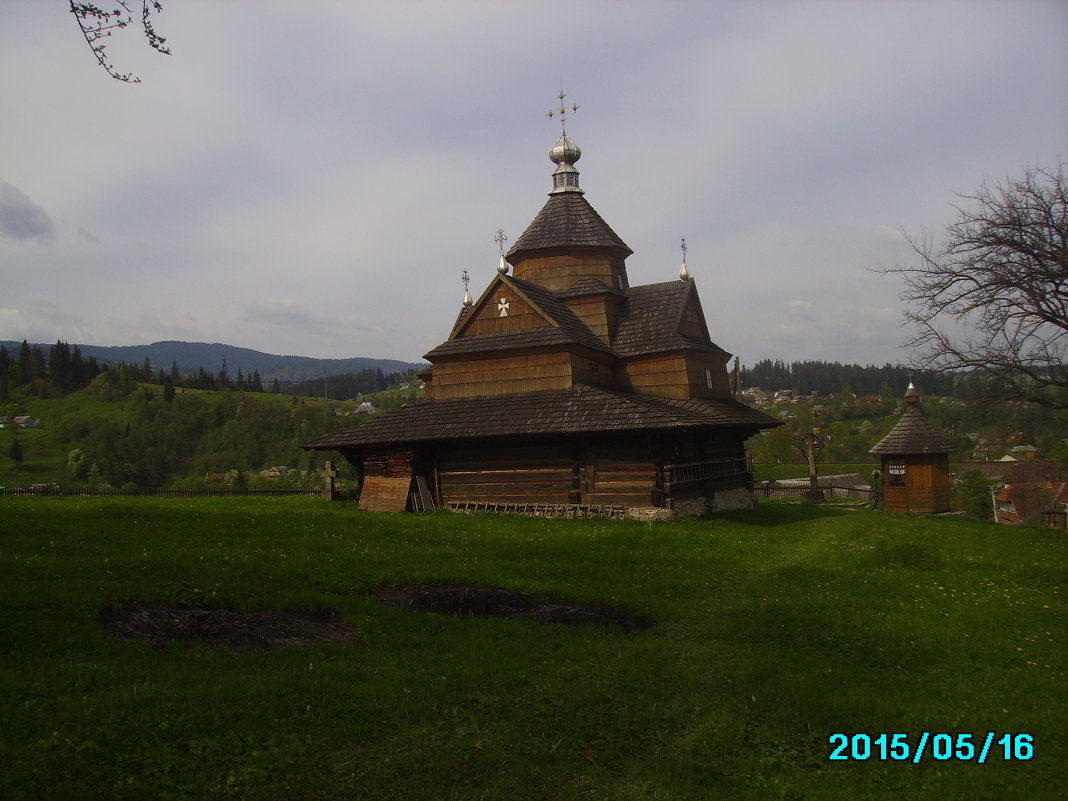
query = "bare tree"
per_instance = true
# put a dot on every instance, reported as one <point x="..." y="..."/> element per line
<point x="97" y="25"/>
<point x="1001" y="276"/>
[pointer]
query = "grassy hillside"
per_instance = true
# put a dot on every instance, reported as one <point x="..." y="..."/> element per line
<point x="774" y="630"/>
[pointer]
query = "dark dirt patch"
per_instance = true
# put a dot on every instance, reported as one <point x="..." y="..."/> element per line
<point x="474" y="600"/>
<point x="239" y="632"/>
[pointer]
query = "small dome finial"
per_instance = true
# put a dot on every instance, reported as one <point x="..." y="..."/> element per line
<point x="912" y="395"/>
<point x="684" y="271"/>
<point x="501" y="239"/>
<point x="564" y="154"/>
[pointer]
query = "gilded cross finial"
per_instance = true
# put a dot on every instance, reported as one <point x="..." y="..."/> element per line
<point x="500" y="239"/>
<point x="684" y="271"/>
<point x="562" y="112"/>
<point x="467" y="281"/>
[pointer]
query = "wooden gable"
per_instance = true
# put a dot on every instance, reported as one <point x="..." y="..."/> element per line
<point x="691" y="320"/>
<point x="503" y="308"/>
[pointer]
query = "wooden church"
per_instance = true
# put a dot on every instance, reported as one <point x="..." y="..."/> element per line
<point x="564" y="389"/>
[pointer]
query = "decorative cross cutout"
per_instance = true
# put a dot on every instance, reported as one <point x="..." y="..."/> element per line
<point x="502" y="307"/>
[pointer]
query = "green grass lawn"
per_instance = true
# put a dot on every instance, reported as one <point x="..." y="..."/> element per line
<point x="774" y="629"/>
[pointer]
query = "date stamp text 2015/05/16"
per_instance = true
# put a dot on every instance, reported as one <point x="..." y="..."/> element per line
<point x="940" y="746"/>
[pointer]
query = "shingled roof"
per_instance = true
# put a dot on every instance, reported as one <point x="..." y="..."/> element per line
<point x="913" y="434"/>
<point x="550" y="304"/>
<point x="650" y="320"/>
<point x="513" y="340"/>
<point x="578" y="410"/>
<point x="567" y="220"/>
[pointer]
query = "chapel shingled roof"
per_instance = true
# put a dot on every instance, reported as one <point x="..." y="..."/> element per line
<point x="913" y="434"/>
<point x="580" y="409"/>
<point x="567" y="220"/>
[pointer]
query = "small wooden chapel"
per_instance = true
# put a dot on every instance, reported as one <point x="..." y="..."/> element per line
<point x="562" y="387"/>
<point x="914" y="462"/>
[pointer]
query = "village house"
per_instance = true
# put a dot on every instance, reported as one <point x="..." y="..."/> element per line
<point x="1019" y="453"/>
<point x="564" y="386"/>
<point x="1025" y="502"/>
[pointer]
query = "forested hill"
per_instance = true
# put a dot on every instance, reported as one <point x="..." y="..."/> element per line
<point x="827" y="378"/>
<point x="190" y="356"/>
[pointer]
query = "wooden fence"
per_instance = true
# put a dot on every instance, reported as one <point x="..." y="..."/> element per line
<point x="1056" y="516"/>
<point x="774" y="489"/>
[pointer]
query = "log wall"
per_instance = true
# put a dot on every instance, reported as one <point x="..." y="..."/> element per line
<point x="503" y="375"/>
<point x="560" y="271"/>
<point x="562" y="472"/>
<point x="678" y="375"/>
<point x="662" y="376"/>
<point x="623" y="475"/>
<point x="507" y="475"/>
<point x="622" y="470"/>
<point x="592" y="372"/>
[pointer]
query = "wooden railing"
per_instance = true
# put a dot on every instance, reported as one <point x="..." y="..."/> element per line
<point x="702" y="471"/>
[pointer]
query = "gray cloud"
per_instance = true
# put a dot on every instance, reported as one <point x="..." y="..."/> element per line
<point x="21" y="218"/>
<point x="324" y="203"/>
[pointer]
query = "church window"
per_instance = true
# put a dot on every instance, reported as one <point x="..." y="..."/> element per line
<point x="895" y="472"/>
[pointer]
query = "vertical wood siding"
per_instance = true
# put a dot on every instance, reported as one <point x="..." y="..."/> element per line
<point x="926" y="489"/>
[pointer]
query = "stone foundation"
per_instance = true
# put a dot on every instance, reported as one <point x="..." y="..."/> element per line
<point x="723" y="500"/>
<point x="650" y="514"/>
<point x="733" y="499"/>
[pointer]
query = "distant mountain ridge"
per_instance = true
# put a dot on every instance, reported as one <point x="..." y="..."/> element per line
<point x="190" y="356"/>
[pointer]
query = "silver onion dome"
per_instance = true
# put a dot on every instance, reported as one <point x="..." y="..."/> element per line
<point x="564" y="154"/>
<point x="565" y="151"/>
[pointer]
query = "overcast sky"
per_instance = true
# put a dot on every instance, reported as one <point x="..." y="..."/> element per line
<point x="311" y="178"/>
